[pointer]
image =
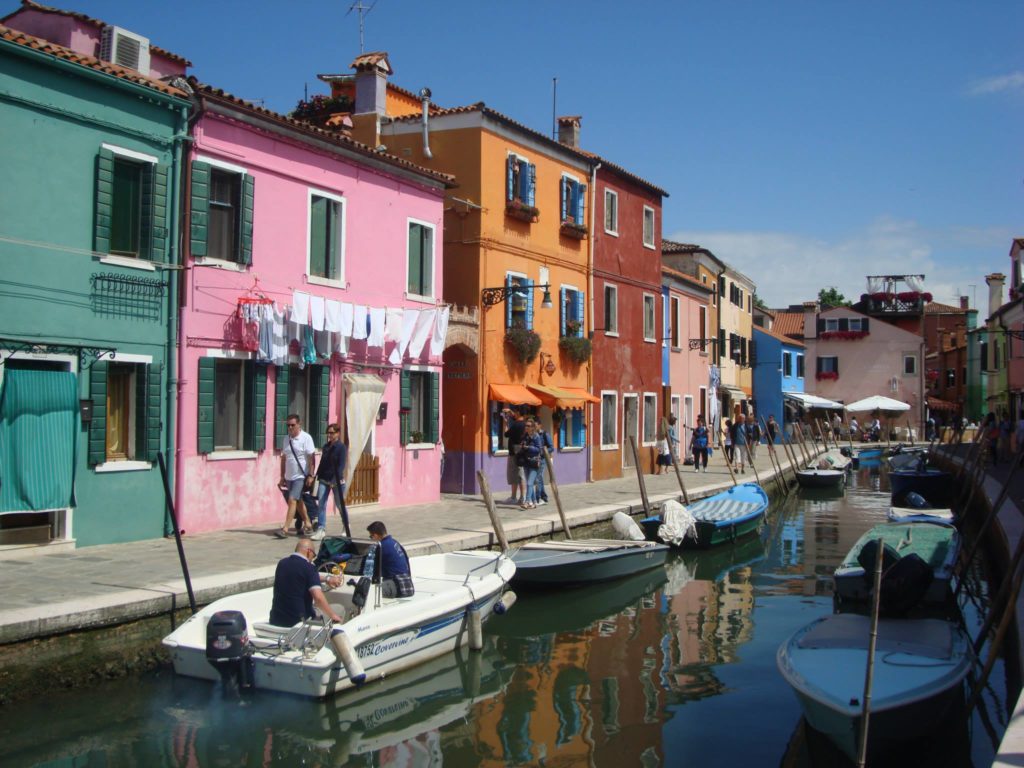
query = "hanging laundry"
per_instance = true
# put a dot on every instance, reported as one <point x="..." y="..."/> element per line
<point x="420" y="334"/>
<point x="316" y="312"/>
<point x="341" y="345"/>
<point x="409" y="320"/>
<point x="265" y="351"/>
<point x="249" y="329"/>
<point x="308" y="346"/>
<point x="300" y="307"/>
<point x="440" y="331"/>
<point x="376" y="335"/>
<point x="359" y="316"/>
<point x="347" y="311"/>
<point x="393" y="324"/>
<point x="279" y="346"/>
<point x="322" y="343"/>
<point x="332" y="316"/>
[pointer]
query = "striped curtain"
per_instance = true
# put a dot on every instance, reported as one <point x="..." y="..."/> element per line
<point x="39" y="427"/>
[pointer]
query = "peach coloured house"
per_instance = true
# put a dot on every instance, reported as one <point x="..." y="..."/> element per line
<point x="686" y="373"/>
<point x="312" y="285"/>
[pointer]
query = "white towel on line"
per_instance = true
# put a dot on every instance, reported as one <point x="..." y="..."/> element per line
<point x="359" y="313"/>
<point x="420" y="334"/>
<point x="332" y="316"/>
<point x="316" y="312"/>
<point x="376" y="335"/>
<point x="300" y="307"/>
<point x="440" y="331"/>
<point x="279" y="341"/>
<point x="345" y="322"/>
<point x="393" y="324"/>
<point x="410" y="318"/>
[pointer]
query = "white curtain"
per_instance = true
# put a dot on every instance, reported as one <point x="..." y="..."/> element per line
<point x="876" y="285"/>
<point x="915" y="282"/>
<point x="363" y="393"/>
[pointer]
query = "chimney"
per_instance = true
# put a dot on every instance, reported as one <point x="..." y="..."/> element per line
<point x="569" y="130"/>
<point x="995" y="291"/>
<point x="964" y="302"/>
<point x="810" y="319"/>
<point x="371" y="86"/>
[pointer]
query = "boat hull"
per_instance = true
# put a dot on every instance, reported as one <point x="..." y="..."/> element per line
<point x="935" y="485"/>
<point x="552" y="568"/>
<point x="720" y="519"/>
<point x="820" y="478"/>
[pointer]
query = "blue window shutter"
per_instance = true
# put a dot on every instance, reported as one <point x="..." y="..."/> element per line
<point x="508" y="301"/>
<point x="529" y="304"/>
<point x="524" y="181"/>
<point x="564" y="195"/>
<point x="205" y="404"/>
<point x="563" y="311"/>
<point x="579" y="311"/>
<point x="248" y="201"/>
<point x="199" y="208"/>
<point x="577" y="427"/>
<point x="510" y="192"/>
<point x="566" y="415"/>
<point x="581" y="203"/>
<point x="532" y="186"/>
<point x="98" y="425"/>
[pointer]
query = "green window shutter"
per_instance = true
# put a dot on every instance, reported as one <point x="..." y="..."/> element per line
<point x="434" y="418"/>
<point x="404" y="405"/>
<point x="104" y="202"/>
<point x="98" y="425"/>
<point x="248" y="199"/>
<point x="147" y="185"/>
<point x="254" y="430"/>
<point x="323" y="390"/>
<point x="281" y="406"/>
<point x="157" y="232"/>
<point x="147" y="411"/>
<point x="415" y="260"/>
<point x="199" y="208"/>
<point x="205" y="400"/>
<point x="317" y="236"/>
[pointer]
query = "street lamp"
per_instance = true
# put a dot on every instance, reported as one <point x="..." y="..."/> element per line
<point x="490" y="297"/>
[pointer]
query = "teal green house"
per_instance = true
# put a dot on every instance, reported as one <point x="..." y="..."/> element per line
<point x="88" y="242"/>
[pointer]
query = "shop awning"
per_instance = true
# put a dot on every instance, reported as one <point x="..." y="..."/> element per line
<point x="937" y="404"/>
<point x="514" y="394"/>
<point x="734" y="392"/>
<point x="812" y="401"/>
<point x="569" y="398"/>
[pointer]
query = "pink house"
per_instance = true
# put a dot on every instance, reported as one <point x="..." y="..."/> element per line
<point x="687" y="370"/>
<point x="312" y="285"/>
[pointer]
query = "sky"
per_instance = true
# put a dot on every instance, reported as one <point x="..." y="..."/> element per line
<point x="807" y="143"/>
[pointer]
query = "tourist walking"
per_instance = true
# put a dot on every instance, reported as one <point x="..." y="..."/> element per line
<point x="699" y="446"/>
<point x="739" y="443"/>
<point x="298" y="457"/>
<point x="331" y="476"/>
<point x="545" y="441"/>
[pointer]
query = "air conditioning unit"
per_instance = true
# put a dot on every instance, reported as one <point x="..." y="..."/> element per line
<point x="126" y="49"/>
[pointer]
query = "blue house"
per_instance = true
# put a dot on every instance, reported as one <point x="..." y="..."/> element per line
<point x="778" y="372"/>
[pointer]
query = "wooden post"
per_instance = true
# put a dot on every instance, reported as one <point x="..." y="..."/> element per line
<point x="997" y="643"/>
<point x="728" y="464"/>
<point x="499" y="530"/>
<point x="998" y="603"/>
<point x="640" y="477"/>
<point x="849" y="434"/>
<point x="773" y="458"/>
<point x="910" y="431"/>
<point x="750" y="460"/>
<point x="679" y="476"/>
<point x="554" y="491"/>
<point x="869" y="675"/>
<point x="790" y="451"/>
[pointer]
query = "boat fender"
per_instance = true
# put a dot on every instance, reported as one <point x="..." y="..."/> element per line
<point x="362" y="589"/>
<point x="505" y="602"/>
<point x="347" y="656"/>
<point x="475" y="624"/>
<point x="915" y="501"/>
<point x="626" y="527"/>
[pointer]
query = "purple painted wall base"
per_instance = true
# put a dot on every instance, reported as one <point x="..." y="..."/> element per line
<point x="459" y="475"/>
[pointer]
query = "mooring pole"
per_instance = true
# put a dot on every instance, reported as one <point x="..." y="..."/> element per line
<point x="499" y="529"/>
<point x="177" y="531"/>
<point x="869" y="675"/>
<point x="554" y="490"/>
<point x="640" y="476"/>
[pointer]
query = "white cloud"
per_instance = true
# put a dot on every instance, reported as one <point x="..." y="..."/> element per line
<point x="998" y="84"/>
<point x="790" y="268"/>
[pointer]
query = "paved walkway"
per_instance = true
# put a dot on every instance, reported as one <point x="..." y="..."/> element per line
<point x="100" y="585"/>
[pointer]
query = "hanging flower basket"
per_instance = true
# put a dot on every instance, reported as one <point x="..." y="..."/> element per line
<point x="842" y="335"/>
<point x="573" y="230"/>
<point x="319" y="108"/>
<point x="517" y="209"/>
<point x="827" y="376"/>
<point x="576" y="348"/>
<point x="526" y="343"/>
<point x="882" y="296"/>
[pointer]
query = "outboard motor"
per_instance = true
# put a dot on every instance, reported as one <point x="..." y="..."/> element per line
<point x="228" y="649"/>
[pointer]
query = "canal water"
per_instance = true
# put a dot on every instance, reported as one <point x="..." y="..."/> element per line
<point x="675" y="667"/>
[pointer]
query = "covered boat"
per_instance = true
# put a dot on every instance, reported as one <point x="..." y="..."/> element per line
<point x="935" y="485"/>
<point x="918" y="676"/>
<point x="231" y="639"/>
<point x="584" y="561"/>
<point x="817" y="476"/>
<point x="718" y="519"/>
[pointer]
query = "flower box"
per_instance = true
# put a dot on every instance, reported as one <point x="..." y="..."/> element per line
<point x="517" y="209"/>
<point x="576" y="348"/>
<point x="841" y="335"/>
<point x="573" y="230"/>
<point x="827" y="376"/>
<point x="525" y="342"/>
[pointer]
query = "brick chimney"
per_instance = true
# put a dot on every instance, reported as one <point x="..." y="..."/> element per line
<point x="569" y="130"/>
<point x="965" y="302"/>
<point x="995" y="291"/>
<point x="371" y="81"/>
<point x="810" y="319"/>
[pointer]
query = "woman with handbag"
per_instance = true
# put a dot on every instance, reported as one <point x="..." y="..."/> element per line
<point x="331" y="477"/>
<point x="530" y="455"/>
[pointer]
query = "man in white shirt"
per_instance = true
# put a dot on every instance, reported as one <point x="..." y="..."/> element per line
<point x="298" y="459"/>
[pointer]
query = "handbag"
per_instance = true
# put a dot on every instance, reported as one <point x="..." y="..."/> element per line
<point x="403" y="585"/>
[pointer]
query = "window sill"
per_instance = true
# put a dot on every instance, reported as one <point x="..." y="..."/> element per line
<point x="230" y="266"/>
<point x="419" y="446"/>
<point x="229" y="455"/>
<point x="123" y="466"/>
<point x="420" y="298"/>
<point x="650" y="341"/>
<point x="676" y="349"/>
<point x="649" y="246"/>
<point x="128" y="261"/>
<point x="612" y="232"/>
<point x="326" y="282"/>
<point x="609" y="446"/>
<point x="571" y="449"/>
<point x="614" y="334"/>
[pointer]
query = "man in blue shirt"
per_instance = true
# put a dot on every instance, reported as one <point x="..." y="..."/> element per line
<point x="297" y="587"/>
<point x="396" y="575"/>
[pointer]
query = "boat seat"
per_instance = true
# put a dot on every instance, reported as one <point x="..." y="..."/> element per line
<point x="267" y="629"/>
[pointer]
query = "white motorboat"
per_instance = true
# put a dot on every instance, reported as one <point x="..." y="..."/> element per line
<point x="456" y="592"/>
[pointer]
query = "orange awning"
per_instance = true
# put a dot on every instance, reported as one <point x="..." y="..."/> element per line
<point x="941" y="405"/>
<point x="569" y="398"/>
<point x="516" y="394"/>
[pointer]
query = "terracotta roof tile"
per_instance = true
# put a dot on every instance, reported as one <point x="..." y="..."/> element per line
<point x="781" y="336"/>
<point x="91" y="62"/>
<point x="937" y="308"/>
<point x="331" y="136"/>
<point x="789" y="323"/>
<point x="98" y="23"/>
<point x="371" y="60"/>
<point x="686" y="278"/>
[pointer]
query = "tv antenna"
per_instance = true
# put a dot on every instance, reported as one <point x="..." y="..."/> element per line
<point x="362" y="10"/>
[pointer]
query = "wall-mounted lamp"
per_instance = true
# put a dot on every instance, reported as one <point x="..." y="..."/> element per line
<point x="492" y="296"/>
<point x="549" y="366"/>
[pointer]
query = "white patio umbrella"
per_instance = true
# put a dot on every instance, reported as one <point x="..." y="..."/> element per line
<point x="877" y="403"/>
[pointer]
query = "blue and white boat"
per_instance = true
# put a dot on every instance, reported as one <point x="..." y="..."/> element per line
<point x="718" y="519"/>
<point x="920" y="665"/>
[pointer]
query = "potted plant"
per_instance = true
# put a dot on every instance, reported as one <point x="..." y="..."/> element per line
<point x="576" y="348"/>
<point x="319" y="108"/>
<point x="415" y="436"/>
<point x="525" y="342"/>
<point x="517" y="209"/>
<point x="827" y="376"/>
<point x="573" y="230"/>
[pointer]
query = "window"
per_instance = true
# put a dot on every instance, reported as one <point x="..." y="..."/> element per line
<point x="421" y="259"/>
<point x="650" y="418"/>
<point x="649" y="329"/>
<point x="611" y="309"/>
<point x="648" y="227"/>
<point x="519" y="305"/>
<point x="828" y="365"/>
<point x="574" y="201"/>
<point x="520" y="181"/>
<point x="831" y="324"/>
<point x="909" y="365"/>
<point x="131" y="204"/>
<point x="609" y="414"/>
<point x="673" y="319"/>
<point x="326" y="236"/>
<point x="419" y="407"/>
<point x="702" y="319"/>
<point x="232" y="404"/>
<point x="571" y="430"/>
<point x="222" y="198"/>
<point x="787" y="364"/>
<point x="856" y="324"/>
<point x="799" y="366"/>
<point x="126" y="423"/>
<point x="611" y="212"/>
<point x="305" y="391"/>
<point x="571" y="303"/>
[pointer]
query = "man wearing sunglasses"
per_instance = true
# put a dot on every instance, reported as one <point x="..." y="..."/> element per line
<point x="298" y="456"/>
<point x="297" y="587"/>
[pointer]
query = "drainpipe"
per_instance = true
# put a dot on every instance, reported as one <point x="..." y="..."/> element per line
<point x="425" y="98"/>
<point x="590" y="289"/>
